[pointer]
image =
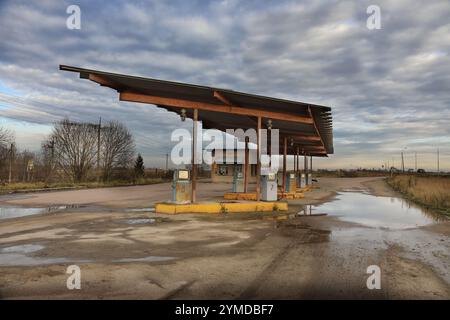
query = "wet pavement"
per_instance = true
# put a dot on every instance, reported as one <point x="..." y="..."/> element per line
<point x="28" y="255"/>
<point x="22" y="255"/>
<point x="378" y="212"/>
<point x="139" y="221"/>
<point x="321" y="248"/>
<point x="16" y="212"/>
<point x="9" y="212"/>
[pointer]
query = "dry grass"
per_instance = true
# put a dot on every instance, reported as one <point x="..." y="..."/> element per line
<point x="350" y="173"/>
<point x="430" y="191"/>
<point x="25" y="186"/>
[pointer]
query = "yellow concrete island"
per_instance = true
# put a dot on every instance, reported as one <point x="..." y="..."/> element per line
<point x="220" y="207"/>
<point x="291" y="195"/>
<point x="240" y="196"/>
<point x="252" y="196"/>
<point x="298" y="194"/>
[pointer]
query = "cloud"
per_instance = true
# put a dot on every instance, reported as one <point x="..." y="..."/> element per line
<point x="388" y="88"/>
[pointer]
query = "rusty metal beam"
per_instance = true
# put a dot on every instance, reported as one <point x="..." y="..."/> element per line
<point x="102" y="81"/>
<point x="180" y="103"/>
<point x="303" y="137"/>
<point x="315" y="126"/>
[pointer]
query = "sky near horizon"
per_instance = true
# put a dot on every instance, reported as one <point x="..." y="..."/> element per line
<point x="389" y="88"/>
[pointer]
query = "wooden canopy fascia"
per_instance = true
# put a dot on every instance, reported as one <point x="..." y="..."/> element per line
<point x="228" y="107"/>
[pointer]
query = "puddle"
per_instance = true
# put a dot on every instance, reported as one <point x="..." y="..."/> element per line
<point x="24" y="248"/>
<point x="17" y="212"/>
<point x="146" y="259"/>
<point x="17" y="256"/>
<point x="141" y="210"/>
<point x="139" y="221"/>
<point x="281" y="217"/>
<point x="22" y="255"/>
<point x="18" y="259"/>
<point x="378" y="212"/>
<point x="359" y="190"/>
<point x="307" y="211"/>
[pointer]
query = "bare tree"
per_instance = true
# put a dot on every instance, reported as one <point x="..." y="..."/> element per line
<point x="25" y="165"/>
<point x="117" y="148"/>
<point x="48" y="159"/>
<point x="74" y="148"/>
<point x="6" y="139"/>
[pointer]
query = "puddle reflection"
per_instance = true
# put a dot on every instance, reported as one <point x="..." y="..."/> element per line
<point x="10" y="212"/>
<point x="378" y="212"/>
<point x="24" y="255"/>
<point x="15" y="212"/>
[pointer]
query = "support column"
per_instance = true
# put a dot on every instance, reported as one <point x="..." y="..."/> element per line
<point x="269" y="146"/>
<point x="258" y="160"/>
<point x="284" y="164"/>
<point x="305" y="169"/>
<point x="310" y="167"/>
<point x="297" y="171"/>
<point x="295" y="164"/>
<point x="194" y="166"/>
<point x="246" y="167"/>
<point x="10" y="162"/>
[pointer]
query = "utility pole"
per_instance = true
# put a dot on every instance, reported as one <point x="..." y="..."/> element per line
<point x="10" y="162"/>
<point x="438" y="161"/>
<point x="415" y="161"/>
<point x="51" y="145"/>
<point x="167" y="162"/>
<point x="403" y="164"/>
<point x="98" y="147"/>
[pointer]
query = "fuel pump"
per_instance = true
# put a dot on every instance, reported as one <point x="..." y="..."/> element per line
<point x="303" y="180"/>
<point x="181" y="186"/>
<point x="269" y="187"/>
<point x="238" y="179"/>
<point x="291" y="184"/>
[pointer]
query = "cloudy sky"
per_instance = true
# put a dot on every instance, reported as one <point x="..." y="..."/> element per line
<point x="389" y="89"/>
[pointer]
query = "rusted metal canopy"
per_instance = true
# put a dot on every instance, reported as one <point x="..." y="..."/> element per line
<point x="307" y="126"/>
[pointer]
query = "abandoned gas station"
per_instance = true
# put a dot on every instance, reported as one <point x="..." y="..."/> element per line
<point x="305" y="130"/>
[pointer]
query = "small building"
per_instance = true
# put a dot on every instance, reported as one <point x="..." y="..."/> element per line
<point x="223" y="171"/>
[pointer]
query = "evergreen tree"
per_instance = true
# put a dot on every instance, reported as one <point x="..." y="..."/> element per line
<point x="139" y="167"/>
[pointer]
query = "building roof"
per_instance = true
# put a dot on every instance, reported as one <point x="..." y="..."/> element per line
<point x="306" y="126"/>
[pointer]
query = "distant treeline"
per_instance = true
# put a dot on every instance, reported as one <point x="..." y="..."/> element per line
<point x="74" y="152"/>
<point x="351" y="173"/>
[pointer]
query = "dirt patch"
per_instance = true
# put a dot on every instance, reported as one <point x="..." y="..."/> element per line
<point x="409" y="279"/>
<point x="267" y="256"/>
